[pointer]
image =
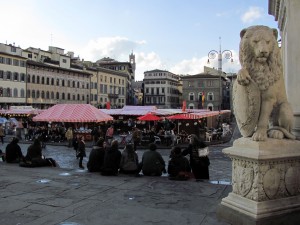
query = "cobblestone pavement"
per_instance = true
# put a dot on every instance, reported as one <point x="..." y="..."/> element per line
<point x="69" y="196"/>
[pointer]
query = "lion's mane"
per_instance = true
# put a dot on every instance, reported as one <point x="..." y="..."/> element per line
<point x="263" y="75"/>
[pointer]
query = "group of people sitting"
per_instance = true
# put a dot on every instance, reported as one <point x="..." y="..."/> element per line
<point x="110" y="161"/>
<point x="33" y="157"/>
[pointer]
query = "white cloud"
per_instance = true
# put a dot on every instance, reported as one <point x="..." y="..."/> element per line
<point x="196" y="65"/>
<point x="252" y="14"/>
<point x="146" y="62"/>
<point x="117" y="48"/>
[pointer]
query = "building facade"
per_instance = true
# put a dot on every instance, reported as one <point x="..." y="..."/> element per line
<point x="12" y="76"/>
<point x="127" y="68"/>
<point x="202" y="91"/>
<point x="161" y="88"/>
<point x="288" y="17"/>
<point x="108" y="86"/>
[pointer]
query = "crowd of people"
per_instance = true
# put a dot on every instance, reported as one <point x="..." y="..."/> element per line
<point x="106" y="158"/>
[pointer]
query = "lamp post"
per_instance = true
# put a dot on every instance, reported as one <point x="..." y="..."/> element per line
<point x="227" y="54"/>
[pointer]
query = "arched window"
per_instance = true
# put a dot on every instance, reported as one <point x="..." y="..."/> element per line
<point x="191" y="96"/>
<point x="8" y="75"/>
<point x="57" y="95"/>
<point x="22" y="77"/>
<point x="33" y="79"/>
<point x="210" y="96"/>
<point x="92" y="98"/>
<point x="48" y="81"/>
<point x="74" y="97"/>
<point x="69" y="96"/>
<point x="52" y="95"/>
<point x="191" y="106"/>
<point x="42" y="94"/>
<point x="82" y="97"/>
<point x="87" y="86"/>
<point x="33" y="94"/>
<point x="43" y="80"/>
<point x="57" y="82"/>
<point x="37" y="94"/>
<point x="63" y="96"/>
<point x="78" y="84"/>
<point x="37" y="79"/>
<point x="78" y="97"/>
<point x="16" y="76"/>
<point x="28" y="78"/>
<point x="69" y="83"/>
<point x="73" y="85"/>
<point x="200" y="94"/>
<point x="47" y="95"/>
<point x="15" y="92"/>
<point x="63" y="83"/>
<point x="8" y="92"/>
<point x="52" y="81"/>
<point x="22" y="93"/>
<point x="28" y="94"/>
<point x="95" y="97"/>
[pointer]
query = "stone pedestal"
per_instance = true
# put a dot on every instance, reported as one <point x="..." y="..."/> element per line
<point x="265" y="181"/>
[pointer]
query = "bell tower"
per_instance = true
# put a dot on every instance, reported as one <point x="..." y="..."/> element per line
<point x="132" y="62"/>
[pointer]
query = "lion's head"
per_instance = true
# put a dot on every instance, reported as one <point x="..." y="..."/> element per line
<point x="260" y="55"/>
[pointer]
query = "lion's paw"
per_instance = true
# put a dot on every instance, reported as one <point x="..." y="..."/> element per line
<point x="259" y="136"/>
<point x="277" y="134"/>
<point x="243" y="77"/>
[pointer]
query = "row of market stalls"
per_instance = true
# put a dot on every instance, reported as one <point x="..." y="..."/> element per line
<point x="87" y="116"/>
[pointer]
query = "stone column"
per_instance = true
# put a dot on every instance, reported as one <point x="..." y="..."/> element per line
<point x="265" y="182"/>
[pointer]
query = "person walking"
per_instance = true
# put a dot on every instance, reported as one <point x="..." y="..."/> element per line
<point x="198" y="164"/>
<point x="152" y="162"/>
<point x="81" y="151"/>
<point x="13" y="152"/>
<point x="96" y="157"/>
<point x="109" y="134"/>
<point x="75" y="144"/>
<point x="69" y="136"/>
<point x="136" y="137"/>
<point x="129" y="161"/>
<point x="112" y="159"/>
<point x="2" y="133"/>
<point x="95" y="134"/>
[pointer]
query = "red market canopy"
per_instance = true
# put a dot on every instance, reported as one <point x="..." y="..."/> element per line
<point x="72" y="113"/>
<point x="149" y="117"/>
<point x="184" y="116"/>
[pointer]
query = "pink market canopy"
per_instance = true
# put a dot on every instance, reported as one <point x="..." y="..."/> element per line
<point x="21" y="111"/>
<point x="72" y="113"/>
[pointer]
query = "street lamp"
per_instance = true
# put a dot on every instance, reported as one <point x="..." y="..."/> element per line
<point x="227" y="54"/>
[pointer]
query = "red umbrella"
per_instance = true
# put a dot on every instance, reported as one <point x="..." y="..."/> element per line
<point x="149" y="117"/>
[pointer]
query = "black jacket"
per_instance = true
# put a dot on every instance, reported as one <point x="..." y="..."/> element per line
<point x="178" y="163"/>
<point x="111" y="163"/>
<point x="96" y="159"/>
<point x="13" y="153"/>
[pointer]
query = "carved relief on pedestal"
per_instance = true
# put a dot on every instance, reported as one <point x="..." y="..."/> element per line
<point x="292" y="180"/>
<point x="271" y="183"/>
<point x="243" y="176"/>
<point x="244" y="184"/>
<point x="265" y="180"/>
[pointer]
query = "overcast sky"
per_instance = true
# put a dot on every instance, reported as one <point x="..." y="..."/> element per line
<point x="173" y="35"/>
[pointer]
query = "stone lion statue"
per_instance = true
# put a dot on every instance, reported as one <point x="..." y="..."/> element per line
<point x="259" y="96"/>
